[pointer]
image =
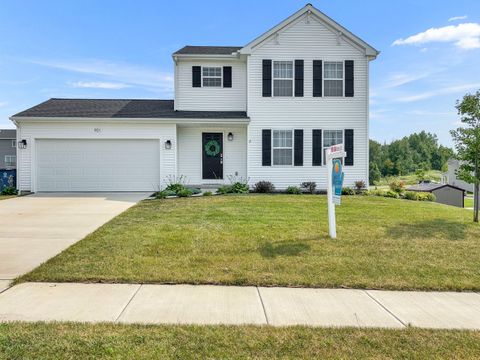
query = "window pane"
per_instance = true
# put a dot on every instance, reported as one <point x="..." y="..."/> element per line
<point x="282" y="156"/>
<point x="283" y="69"/>
<point x="282" y="87"/>
<point x="333" y="87"/>
<point x="333" y="70"/>
<point x="332" y="137"/>
<point x="212" y="82"/>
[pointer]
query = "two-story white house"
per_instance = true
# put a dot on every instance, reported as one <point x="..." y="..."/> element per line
<point x="263" y="111"/>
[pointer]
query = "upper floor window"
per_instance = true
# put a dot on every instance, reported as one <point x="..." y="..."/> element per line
<point x="14" y="143"/>
<point x="10" y="160"/>
<point x="282" y="147"/>
<point x="212" y="76"/>
<point x="330" y="138"/>
<point x="283" y="78"/>
<point x="333" y="78"/>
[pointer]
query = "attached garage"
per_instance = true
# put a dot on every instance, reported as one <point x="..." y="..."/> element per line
<point x="97" y="165"/>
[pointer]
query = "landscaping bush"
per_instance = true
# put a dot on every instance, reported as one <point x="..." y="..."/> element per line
<point x="9" y="190"/>
<point x="194" y="190"/>
<point x="207" y="193"/>
<point x="425" y="196"/>
<point x="348" y="191"/>
<point x="309" y="186"/>
<point x="410" y="195"/>
<point x="360" y="185"/>
<point x="294" y="190"/>
<point x="392" y="194"/>
<point x="376" y="192"/>
<point x="184" y="193"/>
<point x="175" y="187"/>
<point x="240" y="188"/>
<point x="264" y="187"/>
<point x="224" y="189"/>
<point x="397" y="186"/>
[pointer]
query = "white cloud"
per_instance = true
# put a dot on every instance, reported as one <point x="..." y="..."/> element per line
<point x="98" y="85"/>
<point x="455" y="18"/>
<point x="465" y="36"/>
<point x="399" y="79"/>
<point x="124" y="73"/>
<point x="442" y="91"/>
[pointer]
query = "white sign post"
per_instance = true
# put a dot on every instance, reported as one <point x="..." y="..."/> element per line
<point x="334" y="152"/>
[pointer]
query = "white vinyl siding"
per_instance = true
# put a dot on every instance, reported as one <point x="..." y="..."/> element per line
<point x="209" y="98"/>
<point x="282" y="147"/>
<point x="308" y="42"/>
<point x="283" y="78"/>
<point x="333" y="78"/>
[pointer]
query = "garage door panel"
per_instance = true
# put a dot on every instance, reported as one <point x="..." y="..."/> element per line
<point x="98" y="165"/>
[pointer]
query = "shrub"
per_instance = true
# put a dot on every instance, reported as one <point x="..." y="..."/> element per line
<point x="264" y="187"/>
<point x="376" y="192"/>
<point x="294" y="190"/>
<point x="360" y="185"/>
<point x="175" y="187"/>
<point x="207" y="193"/>
<point x="225" y="189"/>
<point x="161" y="194"/>
<point x="176" y="184"/>
<point x="9" y="190"/>
<point x="392" y="194"/>
<point x="309" y="186"/>
<point x="194" y="190"/>
<point x="397" y="186"/>
<point x="184" y="193"/>
<point x="425" y="196"/>
<point x="410" y="195"/>
<point x="348" y="191"/>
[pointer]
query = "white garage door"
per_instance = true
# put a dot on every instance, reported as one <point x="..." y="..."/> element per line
<point x="97" y="165"/>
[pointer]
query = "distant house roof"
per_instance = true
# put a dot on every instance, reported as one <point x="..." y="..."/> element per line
<point x="207" y="50"/>
<point x="8" y="133"/>
<point x="429" y="187"/>
<point x="120" y="108"/>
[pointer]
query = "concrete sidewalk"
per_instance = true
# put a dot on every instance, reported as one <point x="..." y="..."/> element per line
<point x="199" y="304"/>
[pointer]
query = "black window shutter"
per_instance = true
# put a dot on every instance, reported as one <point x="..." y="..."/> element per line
<point x="298" y="147"/>
<point x="227" y="76"/>
<point x="266" y="147"/>
<point x="317" y="147"/>
<point x="298" y="77"/>
<point x="348" y="78"/>
<point x="317" y="78"/>
<point x="349" y="147"/>
<point x="267" y="78"/>
<point x="196" y="76"/>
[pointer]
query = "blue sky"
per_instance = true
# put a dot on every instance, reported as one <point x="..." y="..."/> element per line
<point x="122" y="49"/>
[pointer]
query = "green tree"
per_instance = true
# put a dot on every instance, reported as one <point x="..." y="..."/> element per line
<point x="467" y="144"/>
<point x="374" y="173"/>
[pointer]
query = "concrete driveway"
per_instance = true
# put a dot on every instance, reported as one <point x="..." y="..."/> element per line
<point x="37" y="227"/>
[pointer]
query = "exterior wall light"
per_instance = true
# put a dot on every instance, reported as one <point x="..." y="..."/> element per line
<point x="230" y="136"/>
<point x="168" y="144"/>
<point x="22" y="144"/>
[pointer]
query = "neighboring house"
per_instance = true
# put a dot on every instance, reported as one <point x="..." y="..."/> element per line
<point x="444" y="193"/>
<point x="8" y="149"/>
<point x="452" y="179"/>
<point x="264" y="111"/>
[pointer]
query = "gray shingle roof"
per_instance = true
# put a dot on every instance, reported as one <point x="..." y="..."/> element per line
<point x="8" y="133"/>
<point x="121" y="108"/>
<point x="207" y="50"/>
<point x="428" y="187"/>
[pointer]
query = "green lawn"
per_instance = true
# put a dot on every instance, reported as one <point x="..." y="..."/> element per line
<point x="5" y="197"/>
<point x="468" y="202"/>
<point x="278" y="240"/>
<point x="107" y="341"/>
<point x="411" y="179"/>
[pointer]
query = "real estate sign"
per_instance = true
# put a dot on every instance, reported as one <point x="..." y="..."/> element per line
<point x="334" y="184"/>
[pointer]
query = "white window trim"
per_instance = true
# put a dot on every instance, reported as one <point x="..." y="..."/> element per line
<point x="324" y="160"/>
<point x="10" y="157"/>
<point x="274" y="78"/>
<point x="14" y="143"/>
<point x="282" y="147"/>
<point x="324" y="78"/>
<point x="213" y="77"/>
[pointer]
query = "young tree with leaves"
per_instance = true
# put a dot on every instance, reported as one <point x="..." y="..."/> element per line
<point x="467" y="144"/>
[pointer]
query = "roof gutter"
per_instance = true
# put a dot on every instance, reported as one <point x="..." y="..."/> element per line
<point x="136" y="120"/>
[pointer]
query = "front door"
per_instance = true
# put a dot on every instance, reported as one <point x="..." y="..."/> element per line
<point x="212" y="158"/>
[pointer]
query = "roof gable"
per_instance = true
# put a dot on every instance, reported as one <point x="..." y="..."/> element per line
<point x="310" y="10"/>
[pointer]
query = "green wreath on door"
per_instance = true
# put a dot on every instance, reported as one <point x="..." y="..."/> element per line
<point x="212" y="148"/>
